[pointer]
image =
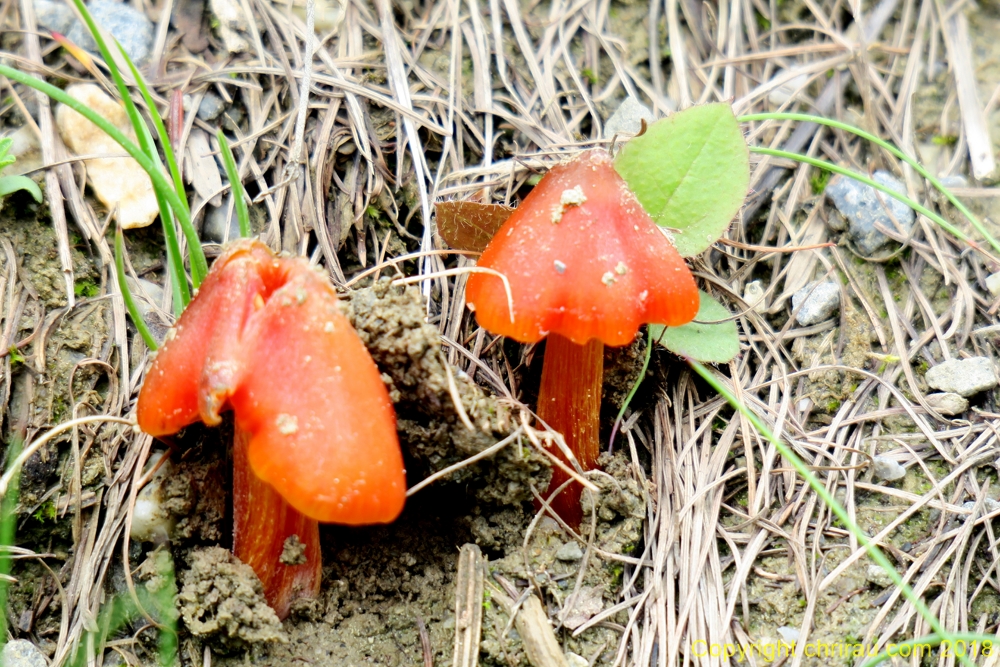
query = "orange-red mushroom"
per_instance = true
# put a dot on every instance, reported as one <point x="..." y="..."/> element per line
<point x="315" y="429"/>
<point x="587" y="267"/>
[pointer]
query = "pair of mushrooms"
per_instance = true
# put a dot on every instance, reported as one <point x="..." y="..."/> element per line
<point x="315" y="431"/>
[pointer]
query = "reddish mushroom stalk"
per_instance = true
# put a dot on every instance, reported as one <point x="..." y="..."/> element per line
<point x="569" y="401"/>
<point x="587" y="267"/>
<point x="315" y="430"/>
<point x="264" y="524"/>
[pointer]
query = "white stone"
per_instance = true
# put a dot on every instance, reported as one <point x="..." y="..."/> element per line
<point x="574" y="660"/>
<point x="818" y="303"/>
<point x="788" y="635"/>
<point x="887" y="469"/>
<point x="964" y="377"/>
<point x="993" y="283"/>
<point x="627" y="118"/>
<point x="151" y="521"/>
<point x="947" y="403"/>
<point x="784" y="91"/>
<point x="753" y="296"/>
<point x="117" y="181"/>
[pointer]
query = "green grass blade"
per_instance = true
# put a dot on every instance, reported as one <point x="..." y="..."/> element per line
<point x="242" y="215"/>
<point x="800" y="467"/>
<point x="819" y="120"/>
<point x="161" y="185"/>
<point x="985" y="646"/>
<point x="199" y="265"/>
<point x="116" y="75"/>
<point x="130" y="305"/>
<point x="850" y="173"/>
<point x="158" y="178"/>
<point x="161" y="130"/>
<point x="8" y="525"/>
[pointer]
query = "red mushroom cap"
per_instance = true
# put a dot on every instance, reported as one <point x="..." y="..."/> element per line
<point x="583" y="260"/>
<point x="265" y="337"/>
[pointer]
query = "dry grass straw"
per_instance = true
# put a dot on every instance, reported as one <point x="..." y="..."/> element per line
<point x="461" y="99"/>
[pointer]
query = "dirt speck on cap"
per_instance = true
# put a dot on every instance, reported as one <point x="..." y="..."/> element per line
<point x="222" y="596"/>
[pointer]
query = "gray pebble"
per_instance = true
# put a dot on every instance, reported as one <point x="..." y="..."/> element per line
<point x="211" y="107"/>
<point x="875" y="574"/>
<point x="53" y="15"/>
<point x="947" y="403"/>
<point x="22" y="653"/>
<point x="887" y="469"/>
<point x="627" y="118"/>
<point x="215" y="227"/>
<point x="950" y="182"/>
<point x="569" y="552"/>
<point x="819" y="304"/>
<point x="862" y="207"/>
<point x="989" y="506"/>
<point x="964" y="377"/>
<point x="130" y="27"/>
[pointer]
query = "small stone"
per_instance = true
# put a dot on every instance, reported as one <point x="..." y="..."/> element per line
<point x="753" y="296"/>
<point x="863" y="206"/>
<point x="817" y="305"/>
<point x="947" y="404"/>
<point x="964" y="377"/>
<point x="215" y="229"/>
<point x="211" y="107"/>
<point x="118" y="181"/>
<point x="231" y="24"/>
<point x="784" y="92"/>
<point x="788" y="635"/>
<point x="993" y="283"/>
<point x="569" y="552"/>
<point x="54" y="16"/>
<point x="950" y="182"/>
<point x="989" y="506"/>
<point x="574" y="660"/>
<point x="129" y="26"/>
<point x="22" y="653"/>
<point x="875" y="574"/>
<point x="887" y="469"/>
<point x="627" y="118"/>
<point x="152" y="521"/>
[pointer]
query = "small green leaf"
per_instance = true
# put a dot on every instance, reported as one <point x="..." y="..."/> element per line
<point x="713" y="343"/>
<point x="9" y="184"/>
<point x="691" y="172"/>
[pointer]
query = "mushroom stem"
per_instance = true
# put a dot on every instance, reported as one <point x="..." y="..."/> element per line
<point x="569" y="401"/>
<point x="263" y="525"/>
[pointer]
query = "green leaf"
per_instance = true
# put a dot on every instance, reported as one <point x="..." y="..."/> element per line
<point x="691" y="172"/>
<point x="10" y="184"/>
<point x="713" y="343"/>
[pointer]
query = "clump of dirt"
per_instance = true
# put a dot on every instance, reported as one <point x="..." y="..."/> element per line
<point x="391" y="323"/>
<point x="221" y="596"/>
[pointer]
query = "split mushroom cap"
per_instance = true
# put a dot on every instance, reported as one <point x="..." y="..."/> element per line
<point x="266" y="338"/>
<point x="584" y="260"/>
